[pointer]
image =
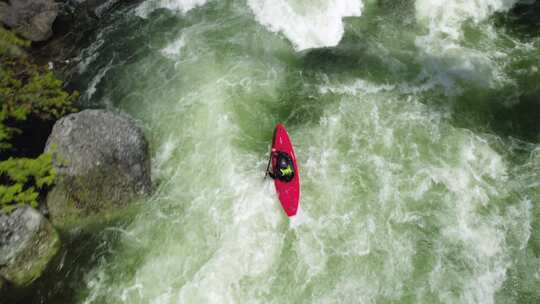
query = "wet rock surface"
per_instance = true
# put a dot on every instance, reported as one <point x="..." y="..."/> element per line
<point x="28" y="242"/>
<point x="102" y="162"/>
<point x="31" y="19"/>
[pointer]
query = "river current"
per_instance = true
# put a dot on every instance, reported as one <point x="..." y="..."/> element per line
<point x="416" y="125"/>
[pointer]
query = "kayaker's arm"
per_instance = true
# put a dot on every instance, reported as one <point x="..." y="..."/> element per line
<point x="273" y="154"/>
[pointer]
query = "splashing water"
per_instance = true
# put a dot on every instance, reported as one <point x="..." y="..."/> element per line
<point x="183" y="6"/>
<point x="308" y="24"/>
<point x="414" y="188"/>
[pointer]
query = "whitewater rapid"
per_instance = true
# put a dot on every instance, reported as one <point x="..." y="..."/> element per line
<point x="410" y="193"/>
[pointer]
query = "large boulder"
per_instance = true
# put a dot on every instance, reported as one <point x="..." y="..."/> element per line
<point x="28" y="242"/>
<point x="32" y="19"/>
<point x="102" y="164"/>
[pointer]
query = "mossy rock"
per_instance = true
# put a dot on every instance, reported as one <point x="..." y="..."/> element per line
<point x="32" y="19"/>
<point x="28" y="242"/>
<point x="102" y="164"/>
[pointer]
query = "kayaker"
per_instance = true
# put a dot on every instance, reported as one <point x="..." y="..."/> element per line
<point x="282" y="166"/>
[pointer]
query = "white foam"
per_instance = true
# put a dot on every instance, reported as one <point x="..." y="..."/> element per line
<point x="307" y="24"/>
<point x="90" y="54"/>
<point x="351" y="290"/>
<point x="92" y="87"/>
<point x="447" y="16"/>
<point x="445" y="53"/>
<point x="174" y="49"/>
<point x="521" y="222"/>
<point x="481" y="236"/>
<point x="361" y="86"/>
<point x="183" y="6"/>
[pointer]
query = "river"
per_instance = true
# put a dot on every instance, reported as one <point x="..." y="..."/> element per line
<point x="416" y="125"/>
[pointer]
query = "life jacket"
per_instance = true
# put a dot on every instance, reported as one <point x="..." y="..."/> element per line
<point x="284" y="168"/>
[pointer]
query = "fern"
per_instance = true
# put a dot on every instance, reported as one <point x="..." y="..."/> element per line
<point x="23" y="180"/>
<point x="28" y="92"/>
<point x="10" y="44"/>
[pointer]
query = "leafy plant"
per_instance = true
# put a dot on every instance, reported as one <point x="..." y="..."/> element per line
<point x="29" y="95"/>
<point x="26" y="178"/>
<point x="29" y="90"/>
<point x="10" y="44"/>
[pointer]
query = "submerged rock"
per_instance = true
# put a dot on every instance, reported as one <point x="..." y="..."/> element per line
<point x="98" y="8"/>
<point x="83" y="9"/>
<point x="102" y="163"/>
<point x="28" y="242"/>
<point x="32" y="19"/>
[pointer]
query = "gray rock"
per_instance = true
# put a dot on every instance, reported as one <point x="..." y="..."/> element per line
<point x="102" y="163"/>
<point x="32" y="19"/>
<point x="4" y="9"/>
<point x="28" y="242"/>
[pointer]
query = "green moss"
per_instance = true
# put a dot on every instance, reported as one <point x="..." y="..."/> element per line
<point x="29" y="94"/>
<point x="79" y="201"/>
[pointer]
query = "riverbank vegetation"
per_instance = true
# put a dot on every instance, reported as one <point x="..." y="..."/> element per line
<point x="32" y="98"/>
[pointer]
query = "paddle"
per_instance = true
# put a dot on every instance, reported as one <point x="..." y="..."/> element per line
<point x="268" y="166"/>
<point x="270" y="158"/>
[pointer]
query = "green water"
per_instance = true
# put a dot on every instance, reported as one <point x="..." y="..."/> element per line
<point x="416" y="126"/>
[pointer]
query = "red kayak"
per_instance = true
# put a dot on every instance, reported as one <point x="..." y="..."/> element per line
<point x="288" y="191"/>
